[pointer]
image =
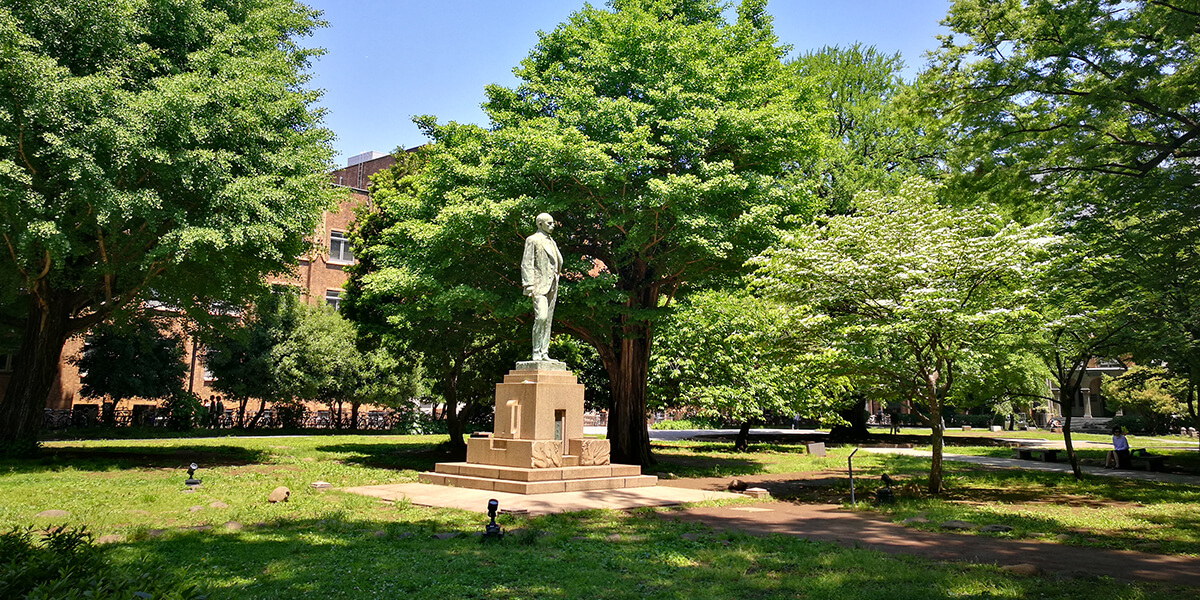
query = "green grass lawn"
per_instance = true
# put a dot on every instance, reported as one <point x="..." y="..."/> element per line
<point x="1101" y="512"/>
<point x="332" y="544"/>
<point x="1136" y="441"/>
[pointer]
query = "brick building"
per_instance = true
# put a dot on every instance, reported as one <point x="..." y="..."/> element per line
<point x="321" y="277"/>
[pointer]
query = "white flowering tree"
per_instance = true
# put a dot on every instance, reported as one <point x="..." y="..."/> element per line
<point x="904" y="292"/>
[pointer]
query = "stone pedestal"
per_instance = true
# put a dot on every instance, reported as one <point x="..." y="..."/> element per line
<point x="537" y="445"/>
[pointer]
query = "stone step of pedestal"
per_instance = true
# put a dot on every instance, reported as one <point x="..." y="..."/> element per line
<point x="523" y="474"/>
<point x="538" y="487"/>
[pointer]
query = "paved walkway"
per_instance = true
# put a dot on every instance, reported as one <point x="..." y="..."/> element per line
<point x="424" y="494"/>
<point x="828" y="522"/>
<point x="1034" y="465"/>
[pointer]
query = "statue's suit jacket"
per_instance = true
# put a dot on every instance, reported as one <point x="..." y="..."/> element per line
<point x="540" y="264"/>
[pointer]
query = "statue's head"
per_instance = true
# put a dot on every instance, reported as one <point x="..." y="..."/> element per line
<point x="545" y="223"/>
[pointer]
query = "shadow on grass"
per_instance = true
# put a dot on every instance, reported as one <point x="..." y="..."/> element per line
<point x="398" y="456"/>
<point x="1085" y="519"/>
<point x="143" y="432"/>
<point x="581" y="555"/>
<point x="134" y="457"/>
<point x="1154" y="517"/>
<point x="714" y="460"/>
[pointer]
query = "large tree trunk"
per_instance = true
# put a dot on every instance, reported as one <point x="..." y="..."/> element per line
<point x="262" y="405"/>
<point x="742" y="443"/>
<point x="42" y="339"/>
<point x="1068" y="388"/>
<point x="855" y="415"/>
<point x="1193" y="387"/>
<point x="242" y="403"/>
<point x="627" y="368"/>
<point x="937" y="439"/>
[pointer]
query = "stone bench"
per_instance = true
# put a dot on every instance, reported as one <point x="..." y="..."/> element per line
<point x="1148" y="463"/>
<point x="1042" y="454"/>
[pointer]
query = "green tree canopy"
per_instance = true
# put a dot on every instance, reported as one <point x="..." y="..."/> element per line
<point x="876" y="140"/>
<point x="150" y="148"/>
<point x="902" y="293"/>
<point x="318" y="359"/>
<point x="662" y="138"/>
<point x="1087" y="109"/>
<point x="732" y="356"/>
<point x="133" y="360"/>
<point x="238" y="349"/>
<point x="1152" y="391"/>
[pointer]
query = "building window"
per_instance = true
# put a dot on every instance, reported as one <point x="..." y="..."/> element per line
<point x="333" y="298"/>
<point x="6" y="362"/>
<point x="206" y="374"/>
<point x="339" y="248"/>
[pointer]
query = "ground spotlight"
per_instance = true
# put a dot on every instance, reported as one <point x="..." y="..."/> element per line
<point x="492" y="530"/>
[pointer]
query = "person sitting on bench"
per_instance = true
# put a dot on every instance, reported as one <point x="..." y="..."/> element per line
<point x="1119" y="457"/>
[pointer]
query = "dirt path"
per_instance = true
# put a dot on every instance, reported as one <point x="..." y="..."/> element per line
<point x="828" y="522"/>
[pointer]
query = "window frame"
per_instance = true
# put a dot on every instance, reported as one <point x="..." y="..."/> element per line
<point x="344" y="242"/>
<point x="337" y="298"/>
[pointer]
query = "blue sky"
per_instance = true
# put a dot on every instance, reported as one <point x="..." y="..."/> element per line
<point x="388" y="60"/>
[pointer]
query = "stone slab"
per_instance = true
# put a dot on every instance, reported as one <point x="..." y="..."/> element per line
<point x="541" y="365"/>
<point x="540" y="504"/>
<point x="529" y="474"/>
<point x="537" y="487"/>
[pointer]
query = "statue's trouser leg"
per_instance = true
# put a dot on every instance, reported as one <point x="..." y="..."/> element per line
<point x="542" y="317"/>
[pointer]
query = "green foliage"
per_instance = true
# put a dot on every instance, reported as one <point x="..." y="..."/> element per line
<point x="239" y="350"/>
<point x="1154" y="392"/>
<point x="185" y="408"/>
<point x="151" y="150"/>
<point x="317" y="358"/>
<point x="1132" y="423"/>
<point x="1086" y="109"/>
<point x="875" y="142"/>
<point x="661" y="136"/>
<point x="1002" y="380"/>
<point x="133" y="360"/>
<point x="63" y="564"/>
<point x="283" y="351"/>
<point x="1058" y="89"/>
<point x="688" y="423"/>
<point x="903" y="293"/>
<point x="732" y="357"/>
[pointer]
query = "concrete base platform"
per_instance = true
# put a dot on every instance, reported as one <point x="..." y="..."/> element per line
<point x="518" y="480"/>
<point x="538" y="487"/>
<point x="423" y="494"/>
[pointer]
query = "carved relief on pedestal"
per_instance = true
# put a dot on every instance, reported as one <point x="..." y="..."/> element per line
<point x="593" y="452"/>
<point x="547" y="454"/>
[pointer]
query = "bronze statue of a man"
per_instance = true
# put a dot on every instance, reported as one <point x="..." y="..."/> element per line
<point x="540" y="267"/>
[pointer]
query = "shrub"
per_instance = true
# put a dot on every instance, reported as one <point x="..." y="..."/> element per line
<point x="64" y="564"/>
<point x="1131" y="423"/>
<point x="290" y="415"/>
<point x="978" y="421"/>
<point x="185" y="410"/>
<point x="688" y="423"/>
